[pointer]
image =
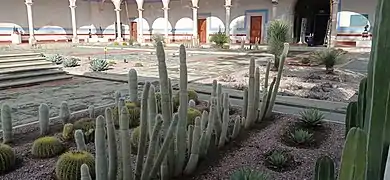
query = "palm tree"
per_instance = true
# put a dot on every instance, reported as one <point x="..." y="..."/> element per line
<point x="278" y="33"/>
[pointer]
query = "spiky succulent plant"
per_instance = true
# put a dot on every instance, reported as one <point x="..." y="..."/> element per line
<point x="192" y="113"/>
<point x="46" y="147"/>
<point x="7" y="158"/>
<point x="68" y="166"/>
<point x="71" y="62"/>
<point x="277" y="159"/>
<point x="87" y="125"/>
<point x="134" y="114"/>
<point x="99" y="65"/>
<point x="301" y="136"/>
<point x="311" y="117"/>
<point x="57" y="59"/>
<point x="248" y="174"/>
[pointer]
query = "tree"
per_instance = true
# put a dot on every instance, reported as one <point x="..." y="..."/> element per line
<point x="278" y="33"/>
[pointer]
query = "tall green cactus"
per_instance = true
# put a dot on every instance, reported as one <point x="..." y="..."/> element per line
<point x="91" y="111"/>
<point x="101" y="165"/>
<point x="324" y="169"/>
<point x="183" y="109"/>
<point x="152" y="109"/>
<point x="266" y="99"/>
<point x="143" y="131"/>
<point x="206" y="137"/>
<point x="245" y="104"/>
<point x="85" y="172"/>
<point x="204" y="120"/>
<point x="44" y="119"/>
<point x="112" y="147"/>
<point x="251" y="95"/>
<point x="361" y="107"/>
<point x="6" y="121"/>
<point x="257" y="93"/>
<point x="351" y="119"/>
<point x="190" y="131"/>
<point x="127" y="171"/>
<point x="195" y="145"/>
<point x="64" y="112"/>
<point x="80" y="141"/>
<point x="133" y="85"/>
<point x="236" y="128"/>
<point x="354" y="157"/>
<point x="225" y="123"/>
<point x="117" y="97"/>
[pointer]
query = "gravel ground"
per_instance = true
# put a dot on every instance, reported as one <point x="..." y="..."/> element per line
<point x="250" y="152"/>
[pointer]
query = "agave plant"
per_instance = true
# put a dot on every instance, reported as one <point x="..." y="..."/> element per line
<point x="99" y="65"/>
<point x="277" y="159"/>
<point x="248" y="174"/>
<point x="329" y="58"/>
<point x="71" y="62"/>
<point x="57" y="59"/>
<point x="301" y="136"/>
<point x="278" y="33"/>
<point x="311" y="117"/>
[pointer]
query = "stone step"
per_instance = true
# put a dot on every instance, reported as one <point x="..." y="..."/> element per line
<point x="15" y="56"/>
<point x="28" y="68"/>
<point x="22" y="59"/>
<point x="32" y="81"/>
<point x="25" y="64"/>
<point x="19" y="75"/>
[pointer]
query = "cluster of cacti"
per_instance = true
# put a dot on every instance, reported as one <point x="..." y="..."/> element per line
<point x="87" y="125"/>
<point x="57" y="58"/>
<point x="99" y="65"/>
<point x="44" y="119"/>
<point x="134" y="114"/>
<point x="365" y="154"/>
<point x="192" y="113"/>
<point x="71" y="62"/>
<point x="253" y="111"/>
<point x="46" y="147"/>
<point x="6" y="122"/>
<point x="68" y="166"/>
<point x="67" y="131"/>
<point x="7" y="158"/>
<point x="192" y="95"/>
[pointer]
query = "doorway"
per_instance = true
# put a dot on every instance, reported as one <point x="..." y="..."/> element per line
<point x="318" y="16"/>
<point x="202" y="30"/>
<point x="255" y="28"/>
<point x="133" y="30"/>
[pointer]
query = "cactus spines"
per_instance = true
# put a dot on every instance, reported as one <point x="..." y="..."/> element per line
<point x="85" y="172"/>
<point x="125" y="144"/>
<point x="112" y="147"/>
<point x="117" y="97"/>
<point x="91" y="111"/>
<point x="8" y="158"/>
<point x="133" y="85"/>
<point x="236" y="128"/>
<point x="195" y="145"/>
<point x="152" y="109"/>
<point x="192" y="103"/>
<point x="100" y="148"/>
<point x="6" y="120"/>
<point x="68" y="166"/>
<point x="67" y="131"/>
<point x="257" y="93"/>
<point x="44" y="119"/>
<point x="245" y="104"/>
<point x="64" y="112"/>
<point x="324" y="169"/>
<point x="354" y="156"/>
<point x="152" y="147"/>
<point x="225" y="122"/>
<point x="204" y="120"/>
<point x="79" y="138"/>
<point x="251" y="95"/>
<point x="190" y="131"/>
<point x="46" y="147"/>
<point x="143" y="131"/>
<point x="205" y="138"/>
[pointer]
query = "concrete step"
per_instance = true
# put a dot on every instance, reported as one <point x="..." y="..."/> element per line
<point x="21" y="59"/>
<point x="28" y="68"/>
<point x="25" y="64"/>
<point x="32" y="81"/>
<point x="16" y="56"/>
<point x="19" y="75"/>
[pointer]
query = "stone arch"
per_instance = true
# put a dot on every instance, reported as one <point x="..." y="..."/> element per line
<point x="158" y="26"/>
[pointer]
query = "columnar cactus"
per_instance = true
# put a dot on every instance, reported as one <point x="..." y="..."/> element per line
<point x="206" y="137"/>
<point x="351" y="119"/>
<point x="266" y="99"/>
<point x="44" y="119"/>
<point x="117" y="97"/>
<point x="85" y="172"/>
<point x="125" y="144"/>
<point x="91" y="111"/>
<point x="219" y="111"/>
<point x="152" y="109"/>
<point x="190" y="131"/>
<point x="79" y="138"/>
<point x="133" y="85"/>
<point x="100" y="147"/>
<point x="223" y="137"/>
<point x="257" y="93"/>
<point x="67" y="131"/>
<point x="362" y="103"/>
<point x="204" y="120"/>
<point x="64" y="113"/>
<point x="245" y="104"/>
<point x="6" y="120"/>
<point x="112" y="147"/>
<point x="191" y="103"/>
<point x="324" y="169"/>
<point x="236" y="128"/>
<point x="195" y="145"/>
<point x="251" y="95"/>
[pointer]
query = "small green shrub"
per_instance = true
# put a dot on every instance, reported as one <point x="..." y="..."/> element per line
<point x="57" y="59"/>
<point x="311" y="117"/>
<point x="329" y="58"/>
<point x="192" y="113"/>
<point x="68" y="166"/>
<point x="99" y="65"/>
<point x="124" y="43"/>
<point x="277" y="159"/>
<point x="248" y="174"/>
<point x="219" y="39"/>
<point x="116" y="43"/>
<point x="134" y="114"/>
<point x="301" y="137"/>
<point x="111" y="62"/>
<point x="7" y="158"/>
<point x="87" y="125"/>
<point x="67" y="131"/>
<point x="71" y="62"/>
<point x="47" y="147"/>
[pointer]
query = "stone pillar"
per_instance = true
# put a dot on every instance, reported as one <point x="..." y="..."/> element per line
<point x="31" y="39"/>
<point x="303" y="31"/>
<point x="333" y="32"/>
<point x="117" y="5"/>
<point x="166" y="24"/>
<point x="72" y="6"/>
<point x="140" y="26"/>
<point x="227" y="20"/>
<point x="274" y="8"/>
<point x="195" y="26"/>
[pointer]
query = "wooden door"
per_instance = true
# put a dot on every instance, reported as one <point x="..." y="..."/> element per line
<point x="255" y="29"/>
<point x="133" y="30"/>
<point x="202" y="30"/>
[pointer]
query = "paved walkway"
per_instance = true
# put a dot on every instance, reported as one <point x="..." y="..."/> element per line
<point x="358" y="64"/>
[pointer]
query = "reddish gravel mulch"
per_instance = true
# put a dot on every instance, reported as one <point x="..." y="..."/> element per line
<point x="261" y="140"/>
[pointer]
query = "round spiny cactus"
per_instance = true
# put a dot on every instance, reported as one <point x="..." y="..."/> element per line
<point x="191" y="95"/>
<point x="46" y="147"/>
<point x="134" y="140"/>
<point x="68" y="166"/>
<point x="7" y="158"/>
<point x="192" y="113"/>
<point x="134" y="114"/>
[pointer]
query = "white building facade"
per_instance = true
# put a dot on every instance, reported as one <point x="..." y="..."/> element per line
<point x="79" y="20"/>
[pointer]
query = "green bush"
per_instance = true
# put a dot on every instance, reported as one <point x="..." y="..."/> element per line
<point x="192" y="113"/>
<point x="71" y="62"/>
<point x="87" y="125"/>
<point x="116" y="43"/>
<point x="277" y="159"/>
<point x="68" y="166"/>
<point x="311" y="117"/>
<point x="47" y="147"/>
<point x="7" y="158"/>
<point x="57" y="59"/>
<point x="134" y="114"/>
<point x="329" y="58"/>
<point x="248" y="174"/>
<point x="219" y="39"/>
<point x="99" y="65"/>
<point x="301" y="137"/>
